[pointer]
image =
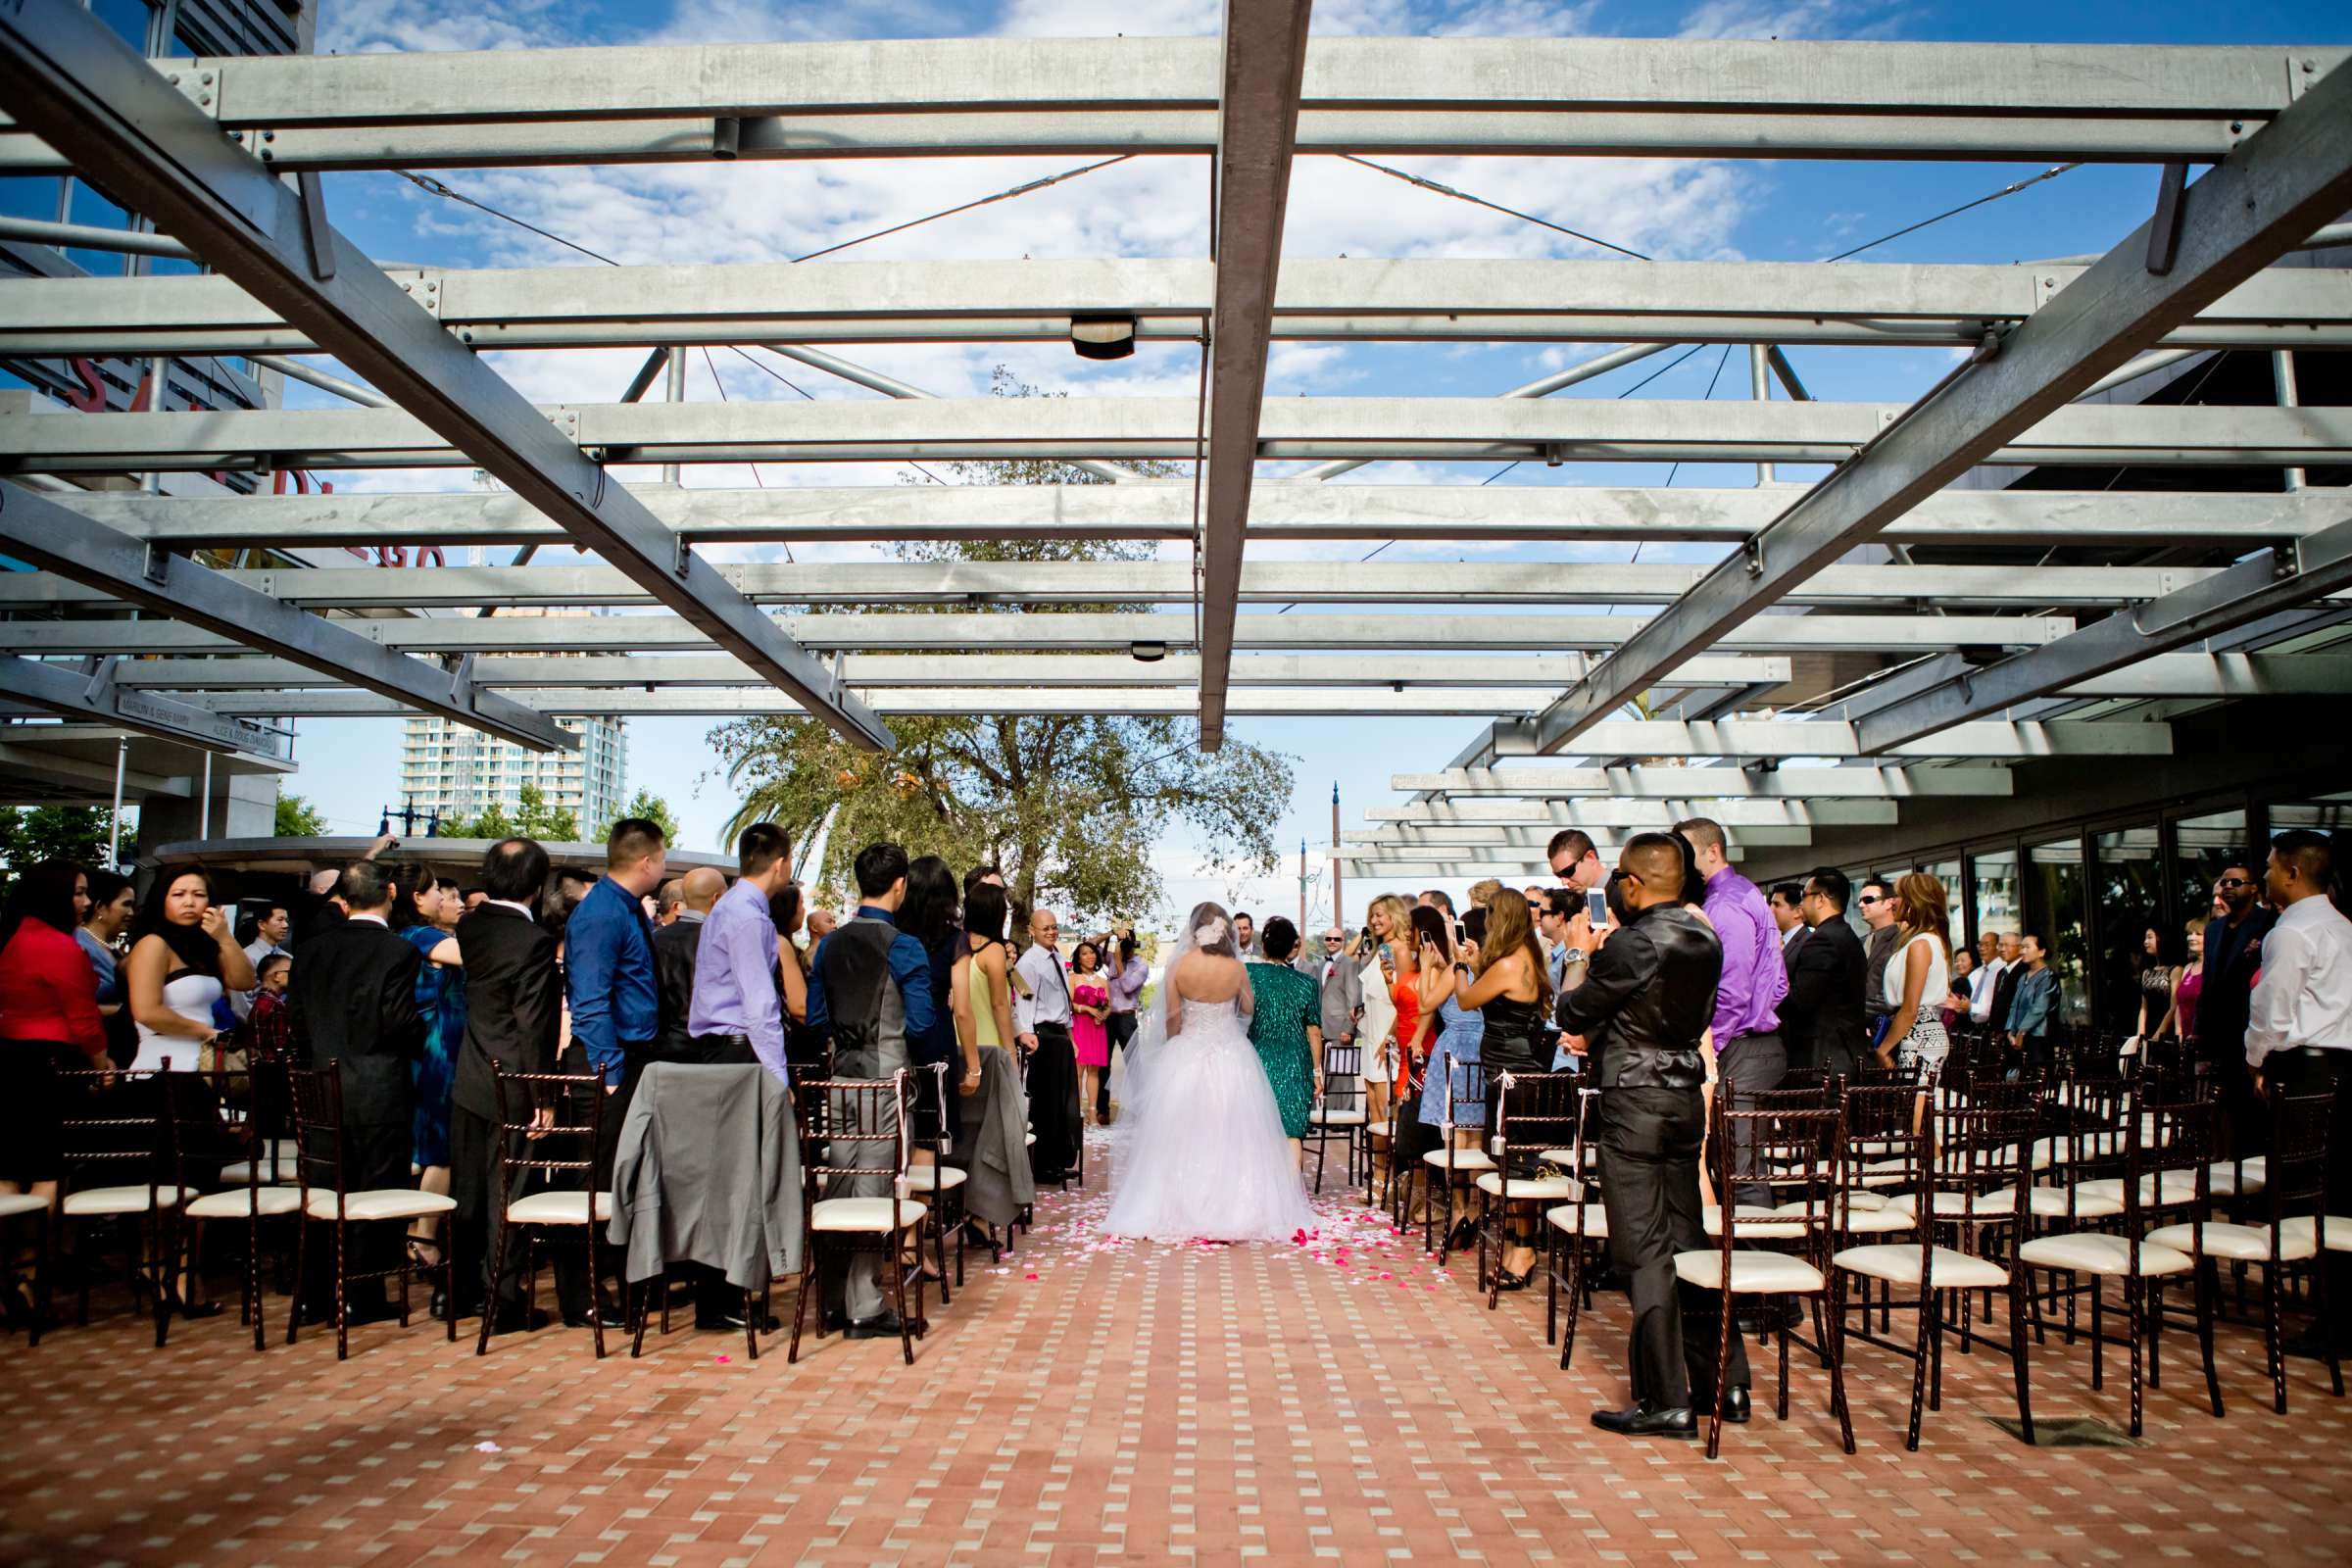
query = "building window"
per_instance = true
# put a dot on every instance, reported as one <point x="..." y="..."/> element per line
<point x="2055" y="899"/>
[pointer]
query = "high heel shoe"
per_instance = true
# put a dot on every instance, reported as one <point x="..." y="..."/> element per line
<point x="1464" y="1235"/>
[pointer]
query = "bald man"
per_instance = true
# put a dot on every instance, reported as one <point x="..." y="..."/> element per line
<point x="675" y="945"/>
<point x="1647" y="996"/>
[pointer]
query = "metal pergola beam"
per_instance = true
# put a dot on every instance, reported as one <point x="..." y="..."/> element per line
<point x="1635" y="811"/>
<point x="75" y="693"/>
<point x="70" y="79"/>
<point x="1442" y="430"/>
<point x="2286" y="180"/>
<point x="1260" y="62"/>
<point x="1653" y="97"/>
<point x="1482" y="582"/>
<point x="1278" y="511"/>
<point x="36" y="530"/>
<point x="1153" y="633"/>
<point x="1902" y="305"/>
<point x="1417" y="840"/>
<point x="1714" y="784"/>
<point x="870" y="670"/>
<point x="2290" y="577"/>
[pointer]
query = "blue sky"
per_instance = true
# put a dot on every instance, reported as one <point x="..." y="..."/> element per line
<point x="770" y="210"/>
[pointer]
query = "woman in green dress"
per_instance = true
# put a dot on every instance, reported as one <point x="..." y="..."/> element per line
<point x="1286" y="1029"/>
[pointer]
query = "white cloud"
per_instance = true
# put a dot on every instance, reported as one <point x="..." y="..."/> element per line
<point x="1790" y="18"/>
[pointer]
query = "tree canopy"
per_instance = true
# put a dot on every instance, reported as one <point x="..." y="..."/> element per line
<point x="1069" y="807"/>
<point x="297" y="819"/>
<point x="76" y="833"/>
<point x="646" y="804"/>
<point x="533" y="818"/>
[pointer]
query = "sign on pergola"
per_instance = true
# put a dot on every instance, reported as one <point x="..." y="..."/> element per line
<point x="1957" y="669"/>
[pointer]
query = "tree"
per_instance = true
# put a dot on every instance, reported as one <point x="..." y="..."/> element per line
<point x="1067" y="805"/>
<point x="646" y="804"/>
<point x="297" y="819"/>
<point x="76" y="833"/>
<point x="534" y="818"/>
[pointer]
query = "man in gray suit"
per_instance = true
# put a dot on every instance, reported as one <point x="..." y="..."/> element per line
<point x="1342" y="990"/>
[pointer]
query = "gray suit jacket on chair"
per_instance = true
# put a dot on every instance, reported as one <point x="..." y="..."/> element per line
<point x="709" y="1172"/>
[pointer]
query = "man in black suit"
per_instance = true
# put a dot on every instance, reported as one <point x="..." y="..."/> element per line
<point x="1822" y="1015"/>
<point x="674" y="948"/>
<point x="2233" y="957"/>
<point x="353" y="999"/>
<point x="515" y="1007"/>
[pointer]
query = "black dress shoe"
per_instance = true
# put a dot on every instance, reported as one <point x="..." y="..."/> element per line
<point x="514" y="1320"/>
<point x="1735" y="1405"/>
<point x="612" y="1319"/>
<point x="1646" y="1420"/>
<point x="884" y="1325"/>
<point x="438" y="1307"/>
<point x="832" y="1320"/>
<point x="380" y="1312"/>
<point x="735" y="1321"/>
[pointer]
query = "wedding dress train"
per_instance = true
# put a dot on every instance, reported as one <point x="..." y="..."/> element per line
<point x="1206" y="1158"/>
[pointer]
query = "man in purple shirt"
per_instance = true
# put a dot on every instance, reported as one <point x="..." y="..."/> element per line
<point x="736" y="1014"/>
<point x="1749" y="1058"/>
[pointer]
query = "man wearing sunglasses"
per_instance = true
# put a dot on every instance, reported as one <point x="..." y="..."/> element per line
<point x="2233" y="958"/>
<point x="1343" y="988"/>
<point x="1877" y="904"/>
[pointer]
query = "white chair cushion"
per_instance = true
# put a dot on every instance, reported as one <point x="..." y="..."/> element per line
<point x="243" y="1203"/>
<point x="14" y="1204"/>
<point x="864" y="1214"/>
<point x="1979" y="1206"/>
<point x="127" y="1199"/>
<point x="382" y="1202"/>
<point x="1858" y="1199"/>
<point x="1349" y="1116"/>
<point x="2090" y="1253"/>
<point x="1531" y="1188"/>
<point x="1710" y="1219"/>
<point x="1596" y="1219"/>
<point x="2049" y="1203"/>
<point x="1897" y="1262"/>
<point x="1752" y="1273"/>
<point x="931" y="1178"/>
<point x="2250" y="1244"/>
<point x="289" y="1173"/>
<point x="557" y="1208"/>
<point x="1463" y="1160"/>
<point x="1028" y="1138"/>
<point x="2178" y="1187"/>
<point x="1880" y="1221"/>
<point x="2224" y="1180"/>
<point x="2339" y="1230"/>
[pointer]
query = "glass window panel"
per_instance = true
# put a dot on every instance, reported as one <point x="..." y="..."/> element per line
<point x="2201" y="847"/>
<point x="2330" y="813"/>
<point x="1996" y="873"/>
<point x="1948" y="872"/>
<point x="2055" y="914"/>
<point x="2131" y="898"/>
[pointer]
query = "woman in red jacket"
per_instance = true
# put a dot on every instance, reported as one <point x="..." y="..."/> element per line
<point x="48" y="1022"/>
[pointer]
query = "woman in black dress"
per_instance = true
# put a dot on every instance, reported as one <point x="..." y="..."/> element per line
<point x="1506" y="979"/>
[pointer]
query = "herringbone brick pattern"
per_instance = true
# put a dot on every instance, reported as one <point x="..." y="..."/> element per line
<point x="1340" y="1401"/>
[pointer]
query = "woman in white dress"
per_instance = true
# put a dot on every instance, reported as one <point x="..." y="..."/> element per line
<point x="1206" y="1156"/>
<point x="182" y="956"/>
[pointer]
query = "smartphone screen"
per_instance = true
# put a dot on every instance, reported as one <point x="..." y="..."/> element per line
<point x="1596" y="906"/>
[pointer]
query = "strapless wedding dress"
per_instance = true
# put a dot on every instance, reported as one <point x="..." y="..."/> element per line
<point x="1207" y="1160"/>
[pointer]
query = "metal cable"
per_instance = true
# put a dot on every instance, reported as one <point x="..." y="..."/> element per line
<point x="1913" y="228"/>
<point x="1481" y="201"/>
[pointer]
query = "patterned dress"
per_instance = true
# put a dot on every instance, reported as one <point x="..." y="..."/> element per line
<point x="441" y="999"/>
<point x="1287" y="1005"/>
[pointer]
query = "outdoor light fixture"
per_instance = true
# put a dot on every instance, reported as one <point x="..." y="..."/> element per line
<point x="1147" y="653"/>
<point x="1102" y="337"/>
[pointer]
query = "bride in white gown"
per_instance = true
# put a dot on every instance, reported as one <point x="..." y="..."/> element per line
<point x="1207" y="1157"/>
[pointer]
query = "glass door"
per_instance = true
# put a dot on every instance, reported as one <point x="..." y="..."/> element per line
<point x="2056" y="913"/>
<point x="2129" y="876"/>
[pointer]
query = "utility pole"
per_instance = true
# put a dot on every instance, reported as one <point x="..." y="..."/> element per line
<point x="1302" y="888"/>
<point x="1339" y="915"/>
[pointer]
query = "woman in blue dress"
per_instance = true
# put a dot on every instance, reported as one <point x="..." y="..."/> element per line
<point x="427" y="911"/>
<point x="1460" y="1033"/>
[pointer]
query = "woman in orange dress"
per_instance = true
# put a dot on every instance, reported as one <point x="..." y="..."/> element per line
<point x="1391" y="926"/>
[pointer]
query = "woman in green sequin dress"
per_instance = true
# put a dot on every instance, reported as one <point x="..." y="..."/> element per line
<point x="1287" y="1028"/>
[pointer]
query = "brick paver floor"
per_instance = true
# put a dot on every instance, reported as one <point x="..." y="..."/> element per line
<point x="1099" y="1401"/>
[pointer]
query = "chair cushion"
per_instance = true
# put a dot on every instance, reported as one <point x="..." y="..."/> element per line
<point x="1752" y="1273"/>
<point x="1879" y="1222"/>
<point x="930" y="1178"/>
<point x="557" y="1208"/>
<point x="1979" y="1206"/>
<point x="864" y="1214"/>
<point x="1710" y="1219"/>
<point x="242" y="1203"/>
<point x="2178" y="1187"/>
<point x="382" y="1202"/>
<point x="2250" y="1244"/>
<point x="2339" y="1230"/>
<point x="2090" y="1253"/>
<point x="2224" y="1180"/>
<point x="1531" y="1188"/>
<point x="287" y="1172"/>
<point x="2049" y="1203"/>
<point x="1343" y="1117"/>
<point x="1463" y="1160"/>
<point x="1898" y="1264"/>
<point x="14" y="1204"/>
<point x="1565" y="1159"/>
<point x="126" y="1200"/>
<point x="1857" y="1198"/>
<point x="1596" y="1219"/>
<point x="1028" y="1138"/>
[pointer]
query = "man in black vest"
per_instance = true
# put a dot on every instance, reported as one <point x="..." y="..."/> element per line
<point x="353" y="998"/>
<point x="515" y="995"/>
<point x="1648" y="997"/>
<point x="1823" y="1016"/>
<point x="2233" y="957"/>
<point x="674" y="948"/>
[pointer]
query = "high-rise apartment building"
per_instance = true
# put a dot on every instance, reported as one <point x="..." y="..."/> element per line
<point x="465" y="772"/>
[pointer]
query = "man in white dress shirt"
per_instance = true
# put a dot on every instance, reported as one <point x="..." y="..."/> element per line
<point x="1041" y="1021"/>
<point x="1993" y="955"/>
<point x="2299" y="1033"/>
